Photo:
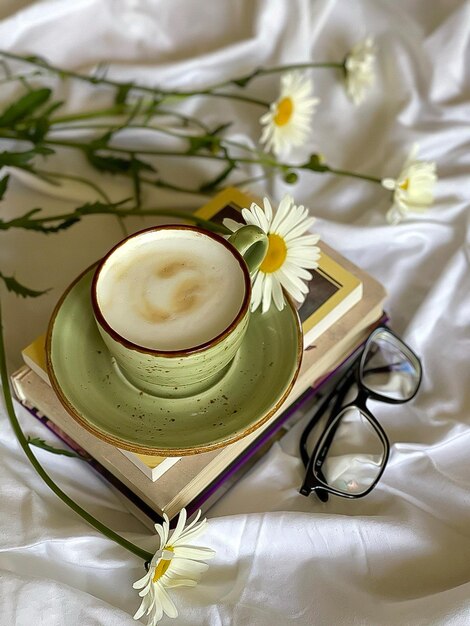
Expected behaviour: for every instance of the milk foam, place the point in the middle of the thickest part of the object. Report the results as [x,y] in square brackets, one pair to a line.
[171,290]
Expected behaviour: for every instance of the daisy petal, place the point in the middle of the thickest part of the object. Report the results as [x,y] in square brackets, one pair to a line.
[194,552]
[186,568]
[179,527]
[181,582]
[257,291]
[278,296]
[191,535]
[156,615]
[300,228]
[281,213]
[195,523]
[262,220]
[267,291]
[141,610]
[250,217]
[290,287]
[142,581]
[268,210]
[167,603]
[231,224]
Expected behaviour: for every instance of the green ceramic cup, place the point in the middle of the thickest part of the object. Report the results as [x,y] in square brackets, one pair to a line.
[192,369]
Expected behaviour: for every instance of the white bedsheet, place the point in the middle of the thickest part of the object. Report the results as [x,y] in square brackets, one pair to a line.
[400,555]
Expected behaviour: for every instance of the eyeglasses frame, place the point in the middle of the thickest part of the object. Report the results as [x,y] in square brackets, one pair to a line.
[312,480]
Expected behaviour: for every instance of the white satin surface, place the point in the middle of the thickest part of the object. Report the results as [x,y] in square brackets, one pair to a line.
[402,554]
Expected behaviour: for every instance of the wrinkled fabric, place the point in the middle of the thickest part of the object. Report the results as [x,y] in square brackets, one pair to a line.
[399,556]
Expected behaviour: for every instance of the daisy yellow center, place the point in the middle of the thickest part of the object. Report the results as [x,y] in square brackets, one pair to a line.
[276,255]
[284,111]
[405,184]
[162,566]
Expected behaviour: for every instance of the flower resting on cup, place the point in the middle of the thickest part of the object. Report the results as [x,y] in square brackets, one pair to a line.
[172,305]
[291,252]
[177,563]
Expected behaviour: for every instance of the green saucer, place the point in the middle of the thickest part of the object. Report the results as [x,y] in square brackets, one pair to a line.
[92,389]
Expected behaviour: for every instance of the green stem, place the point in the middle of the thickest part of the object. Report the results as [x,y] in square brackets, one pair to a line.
[143,554]
[114,128]
[248,181]
[242,81]
[122,109]
[78,179]
[297,66]
[113,210]
[186,119]
[119,109]
[372,179]
[95,80]
[167,153]
[165,131]
[161,184]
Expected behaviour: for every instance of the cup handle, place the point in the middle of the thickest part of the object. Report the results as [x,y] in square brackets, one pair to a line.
[252,243]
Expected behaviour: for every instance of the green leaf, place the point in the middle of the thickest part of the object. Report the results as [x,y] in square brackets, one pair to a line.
[43,150]
[38,129]
[52,107]
[121,93]
[218,130]
[21,159]
[244,80]
[101,142]
[17,159]
[40,443]
[27,223]
[117,165]
[111,164]
[63,225]
[25,106]
[3,186]
[206,142]
[25,292]
[35,58]
[93,208]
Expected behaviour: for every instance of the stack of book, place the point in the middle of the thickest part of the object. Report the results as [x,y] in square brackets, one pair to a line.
[343,305]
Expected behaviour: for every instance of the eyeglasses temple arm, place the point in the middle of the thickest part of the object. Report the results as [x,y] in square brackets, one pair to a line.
[344,382]
[311,424]
[340,392]
[322,494]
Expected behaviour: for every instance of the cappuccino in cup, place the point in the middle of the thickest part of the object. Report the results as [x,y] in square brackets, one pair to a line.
[171,290]
[172,305]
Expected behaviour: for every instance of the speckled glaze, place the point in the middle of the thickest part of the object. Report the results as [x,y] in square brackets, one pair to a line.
[182,373]
[177,376]
[94,392]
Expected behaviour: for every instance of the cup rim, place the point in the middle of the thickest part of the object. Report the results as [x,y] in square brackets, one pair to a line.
[186,351]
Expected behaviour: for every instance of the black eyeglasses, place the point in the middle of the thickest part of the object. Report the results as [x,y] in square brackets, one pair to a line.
[353,450]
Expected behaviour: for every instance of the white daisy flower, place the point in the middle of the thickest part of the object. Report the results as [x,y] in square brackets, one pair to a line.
[413,190]
[175,564]
[359,69]
[290,253]
[287,123]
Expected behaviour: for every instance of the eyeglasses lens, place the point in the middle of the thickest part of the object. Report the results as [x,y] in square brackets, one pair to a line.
[389,368]
[355,457]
